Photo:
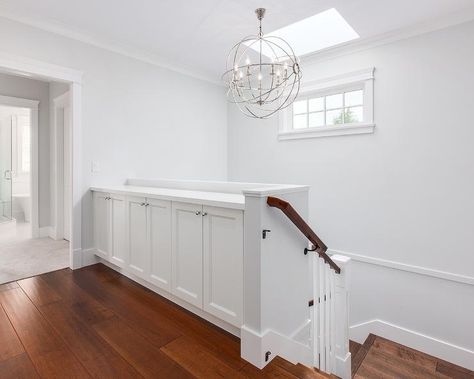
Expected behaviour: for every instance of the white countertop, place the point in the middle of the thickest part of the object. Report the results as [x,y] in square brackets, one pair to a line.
[217,199]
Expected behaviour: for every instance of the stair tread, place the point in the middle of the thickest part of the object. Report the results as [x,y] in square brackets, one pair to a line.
[301,371]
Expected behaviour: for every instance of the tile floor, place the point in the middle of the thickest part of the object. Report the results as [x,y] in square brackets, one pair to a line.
[22,257]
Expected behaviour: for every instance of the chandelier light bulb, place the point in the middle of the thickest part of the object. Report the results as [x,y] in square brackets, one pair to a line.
[271,83]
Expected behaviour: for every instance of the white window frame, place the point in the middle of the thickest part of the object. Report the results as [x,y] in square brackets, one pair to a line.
[363,79]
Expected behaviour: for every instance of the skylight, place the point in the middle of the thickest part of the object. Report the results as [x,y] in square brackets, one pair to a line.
[315,33]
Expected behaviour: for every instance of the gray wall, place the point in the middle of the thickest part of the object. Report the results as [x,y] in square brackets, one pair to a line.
[35,90]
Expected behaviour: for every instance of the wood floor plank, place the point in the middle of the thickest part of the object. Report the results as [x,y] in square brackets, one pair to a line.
[8,286]
[85,306]
[152,306]
[97,356]
[197,360]
[10,344]
[148,360]
[271,371]
[298,370]
[220,343]
[38,291]
[18,367]
[47,351]
[354,347]
[151,324]
[398,366]
[411,356]
[453,371]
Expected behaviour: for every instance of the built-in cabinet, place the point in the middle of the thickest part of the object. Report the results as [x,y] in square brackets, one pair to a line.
[193,251]
[109,227]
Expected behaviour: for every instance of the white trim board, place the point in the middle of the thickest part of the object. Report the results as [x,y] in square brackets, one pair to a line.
[429,345]
[28,67]
[458,278]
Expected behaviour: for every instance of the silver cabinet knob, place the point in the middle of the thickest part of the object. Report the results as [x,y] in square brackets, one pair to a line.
[198,213]
[147,204]
[142,204]
[204,214]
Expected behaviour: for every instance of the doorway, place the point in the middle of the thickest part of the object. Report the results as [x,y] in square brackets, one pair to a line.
[27,67]
[18,165]
[26,245]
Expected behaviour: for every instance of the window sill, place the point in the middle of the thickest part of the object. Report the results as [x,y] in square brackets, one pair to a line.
[327,131]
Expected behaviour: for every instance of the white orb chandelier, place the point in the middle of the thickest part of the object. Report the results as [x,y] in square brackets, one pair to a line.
[263,74]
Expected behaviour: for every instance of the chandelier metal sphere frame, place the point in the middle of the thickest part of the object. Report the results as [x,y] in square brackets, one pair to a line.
[270,83]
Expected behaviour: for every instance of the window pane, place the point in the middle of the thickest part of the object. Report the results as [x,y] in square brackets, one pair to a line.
[334,101]
[353,115]
[353,98]
[316,104]
[299,121]
[316,119]
[300,107]
[334,117]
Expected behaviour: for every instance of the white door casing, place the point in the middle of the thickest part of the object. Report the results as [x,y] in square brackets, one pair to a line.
[67,192]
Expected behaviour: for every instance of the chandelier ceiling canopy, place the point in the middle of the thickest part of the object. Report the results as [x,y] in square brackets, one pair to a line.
[263,74]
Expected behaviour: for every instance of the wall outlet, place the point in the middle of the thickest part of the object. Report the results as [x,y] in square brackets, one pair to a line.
[95,167]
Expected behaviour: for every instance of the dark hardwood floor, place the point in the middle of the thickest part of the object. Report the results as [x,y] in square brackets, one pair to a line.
[379,358]
[97,323]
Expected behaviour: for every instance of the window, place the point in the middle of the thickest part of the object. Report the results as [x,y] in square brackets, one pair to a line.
[336,109]
[327,29]
[335,106]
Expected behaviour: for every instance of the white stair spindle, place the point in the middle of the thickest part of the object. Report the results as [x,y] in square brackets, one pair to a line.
[322,316]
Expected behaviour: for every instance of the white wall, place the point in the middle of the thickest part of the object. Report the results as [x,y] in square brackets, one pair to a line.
[138,119]
[404,193]
[27,88]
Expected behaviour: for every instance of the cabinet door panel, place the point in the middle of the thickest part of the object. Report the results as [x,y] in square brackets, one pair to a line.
[159,232]
[223,263]
[138,254]
[101,223]
[187,252]
[117,230]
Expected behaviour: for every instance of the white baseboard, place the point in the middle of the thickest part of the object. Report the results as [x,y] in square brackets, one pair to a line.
[46,231]
[89,258]
[254,347]
[429,345]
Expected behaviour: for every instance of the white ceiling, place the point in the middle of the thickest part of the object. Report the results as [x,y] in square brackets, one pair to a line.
[196,35]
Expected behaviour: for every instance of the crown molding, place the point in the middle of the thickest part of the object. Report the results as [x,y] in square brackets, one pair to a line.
[150,57]
[139,54]
[392,36]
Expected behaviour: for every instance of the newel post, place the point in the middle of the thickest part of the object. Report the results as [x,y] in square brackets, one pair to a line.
[343,355]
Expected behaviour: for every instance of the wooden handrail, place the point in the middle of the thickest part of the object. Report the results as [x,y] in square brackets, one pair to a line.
[304,228]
